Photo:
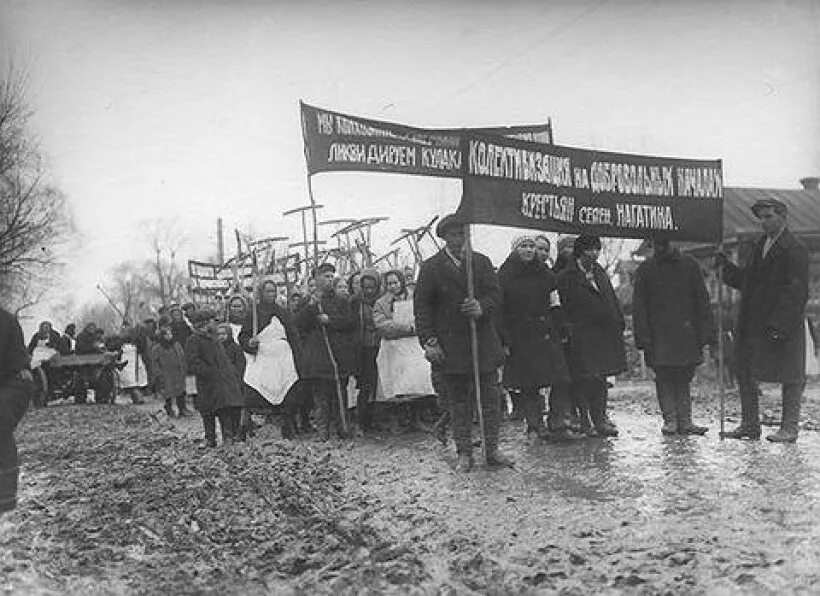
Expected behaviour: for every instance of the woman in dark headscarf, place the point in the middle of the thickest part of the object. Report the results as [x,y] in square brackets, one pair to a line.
[597,344]
[531,322]
[271,375]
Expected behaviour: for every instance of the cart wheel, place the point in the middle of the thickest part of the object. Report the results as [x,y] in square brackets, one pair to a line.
[40,395]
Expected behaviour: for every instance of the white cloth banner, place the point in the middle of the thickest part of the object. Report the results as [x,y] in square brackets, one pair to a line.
[134,374]
[271,370]
[41,354]
[403,370]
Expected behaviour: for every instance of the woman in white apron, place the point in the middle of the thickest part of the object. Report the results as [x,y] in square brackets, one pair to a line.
[134,375]
[402,367]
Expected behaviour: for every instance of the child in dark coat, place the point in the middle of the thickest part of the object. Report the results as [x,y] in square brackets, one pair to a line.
[171,369]
[220,394]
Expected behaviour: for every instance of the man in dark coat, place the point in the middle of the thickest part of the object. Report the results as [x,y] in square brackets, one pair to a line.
[597,322]
[770,327]
[443,311]
[16,388]
[325,324]
[531,333]
[673,322]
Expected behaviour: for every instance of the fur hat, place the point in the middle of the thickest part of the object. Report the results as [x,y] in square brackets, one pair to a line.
[200,316]
[585,242]
[323,268]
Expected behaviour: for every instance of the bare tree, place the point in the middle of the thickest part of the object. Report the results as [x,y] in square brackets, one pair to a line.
[168,281]
[129,289]
[33,213]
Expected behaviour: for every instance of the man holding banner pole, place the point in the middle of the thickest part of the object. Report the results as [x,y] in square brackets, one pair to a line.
[456,329]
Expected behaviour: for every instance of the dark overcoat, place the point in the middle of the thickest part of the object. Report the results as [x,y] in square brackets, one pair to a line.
[14,399]
[529,327]
[216,381]
[440,291]
[773,295]
[672,317]
[597,322]
[171,367]
[315,360]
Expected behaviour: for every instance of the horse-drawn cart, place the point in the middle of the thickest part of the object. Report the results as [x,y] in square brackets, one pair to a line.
[59,376]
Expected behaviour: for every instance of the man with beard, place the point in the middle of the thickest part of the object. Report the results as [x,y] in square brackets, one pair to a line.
[770,334]
[443,312]
[673,322]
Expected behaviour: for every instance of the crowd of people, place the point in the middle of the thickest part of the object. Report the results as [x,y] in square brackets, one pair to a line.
[535,331]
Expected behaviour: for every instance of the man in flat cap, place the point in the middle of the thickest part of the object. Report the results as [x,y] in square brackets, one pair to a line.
[596,347]
[443,311]
[770,341]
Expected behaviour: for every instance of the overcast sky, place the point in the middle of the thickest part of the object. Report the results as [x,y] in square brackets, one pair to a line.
[189,109]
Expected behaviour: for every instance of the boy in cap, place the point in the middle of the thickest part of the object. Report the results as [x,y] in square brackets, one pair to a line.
[220,395]
[770,334]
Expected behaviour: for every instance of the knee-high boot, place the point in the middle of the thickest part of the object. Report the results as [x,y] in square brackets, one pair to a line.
[225,416]
[183,410]
[683,394]
[666,399]
[531,403]
[749,408]
[790,415]
[209,423]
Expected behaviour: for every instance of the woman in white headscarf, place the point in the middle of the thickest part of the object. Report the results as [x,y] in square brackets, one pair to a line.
[402,367]
[531,324]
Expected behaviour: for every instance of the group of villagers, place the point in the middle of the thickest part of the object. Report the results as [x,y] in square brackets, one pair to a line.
[546,333]
[300,361]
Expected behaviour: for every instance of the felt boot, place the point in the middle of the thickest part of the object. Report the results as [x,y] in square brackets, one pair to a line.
[683,401]
[209,423]
[790,415]
[666,400]
[183,411]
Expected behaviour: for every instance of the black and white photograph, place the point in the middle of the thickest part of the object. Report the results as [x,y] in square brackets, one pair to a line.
[394,297]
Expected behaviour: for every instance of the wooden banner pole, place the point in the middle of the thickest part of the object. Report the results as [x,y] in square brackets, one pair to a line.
[468,263]
[721,388]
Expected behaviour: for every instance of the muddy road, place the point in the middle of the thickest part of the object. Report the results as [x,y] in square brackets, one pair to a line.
[121,499]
